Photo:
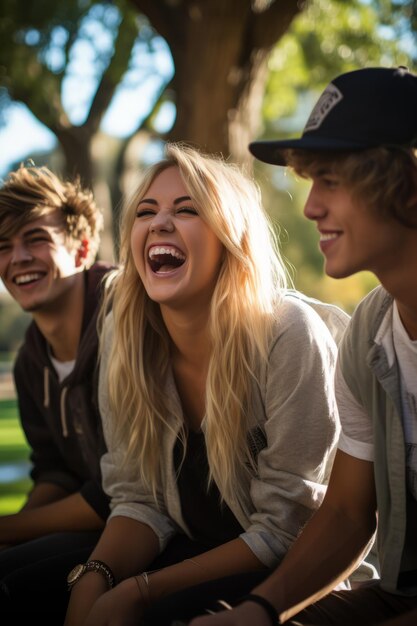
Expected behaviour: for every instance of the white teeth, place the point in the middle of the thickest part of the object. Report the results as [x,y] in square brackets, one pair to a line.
[327,236]
[26,278]
[166,250]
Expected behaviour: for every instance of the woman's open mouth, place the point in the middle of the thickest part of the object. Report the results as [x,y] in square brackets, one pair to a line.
[164,259]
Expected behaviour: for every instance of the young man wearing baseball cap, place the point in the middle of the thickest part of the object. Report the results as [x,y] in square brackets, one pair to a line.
[358,149]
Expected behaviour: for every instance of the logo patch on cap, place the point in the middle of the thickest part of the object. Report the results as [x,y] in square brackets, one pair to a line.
[327,101]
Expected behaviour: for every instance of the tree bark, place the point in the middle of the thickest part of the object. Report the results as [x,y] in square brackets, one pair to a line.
[220,51]
[75,142]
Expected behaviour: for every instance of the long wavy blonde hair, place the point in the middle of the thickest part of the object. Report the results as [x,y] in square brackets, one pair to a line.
[243,308]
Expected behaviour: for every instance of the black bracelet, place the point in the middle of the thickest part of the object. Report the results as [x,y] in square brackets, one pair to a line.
[269,608]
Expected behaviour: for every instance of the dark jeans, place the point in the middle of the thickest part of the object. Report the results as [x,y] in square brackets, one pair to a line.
[33,576]
[364,606]
[33,580]
[186,604]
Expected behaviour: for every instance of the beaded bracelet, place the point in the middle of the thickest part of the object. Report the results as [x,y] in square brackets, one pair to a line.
[269,608]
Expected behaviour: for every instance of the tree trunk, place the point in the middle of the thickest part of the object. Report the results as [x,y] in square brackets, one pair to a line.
[220,50]
[76,146]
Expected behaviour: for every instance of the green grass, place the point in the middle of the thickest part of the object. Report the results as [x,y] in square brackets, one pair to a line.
[8,410]
[13,449]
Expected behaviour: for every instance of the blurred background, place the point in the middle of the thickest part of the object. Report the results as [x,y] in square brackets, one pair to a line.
[95,88]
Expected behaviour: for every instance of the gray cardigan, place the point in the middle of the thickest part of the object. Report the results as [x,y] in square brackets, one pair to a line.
[295,407]
[376,386]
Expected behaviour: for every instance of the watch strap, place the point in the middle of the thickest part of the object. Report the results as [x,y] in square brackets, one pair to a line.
[94,565]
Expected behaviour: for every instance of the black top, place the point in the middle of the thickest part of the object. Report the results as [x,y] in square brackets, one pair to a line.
[209,519]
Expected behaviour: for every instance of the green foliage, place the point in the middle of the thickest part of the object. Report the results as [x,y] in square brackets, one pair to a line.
[401,17]
[330,37]
[13,447]
[13,502]
[35,46]
[8,409]
[40,48]
[14,450]
[13,324]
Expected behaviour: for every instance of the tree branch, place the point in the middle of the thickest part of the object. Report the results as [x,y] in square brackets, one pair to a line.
[125,40]
[270,24]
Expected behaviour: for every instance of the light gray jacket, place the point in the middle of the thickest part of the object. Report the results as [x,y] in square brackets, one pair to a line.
[293,406]
[374,380]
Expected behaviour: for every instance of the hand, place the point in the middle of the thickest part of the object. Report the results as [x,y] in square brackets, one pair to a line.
[246,614]
[121,606]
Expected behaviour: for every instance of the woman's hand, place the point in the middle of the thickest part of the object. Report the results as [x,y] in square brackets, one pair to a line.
[121,606]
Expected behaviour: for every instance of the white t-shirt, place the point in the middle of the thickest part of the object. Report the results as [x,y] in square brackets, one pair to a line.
[356,437]
[62,368]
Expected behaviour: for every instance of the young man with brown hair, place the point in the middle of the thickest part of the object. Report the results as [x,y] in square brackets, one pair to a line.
[49,237]
[358,149]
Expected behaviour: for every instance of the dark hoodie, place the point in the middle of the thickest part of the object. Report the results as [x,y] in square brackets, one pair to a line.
[61,419]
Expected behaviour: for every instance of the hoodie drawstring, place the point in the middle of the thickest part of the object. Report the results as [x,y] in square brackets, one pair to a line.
[64,424]
[45,387]
[63,412]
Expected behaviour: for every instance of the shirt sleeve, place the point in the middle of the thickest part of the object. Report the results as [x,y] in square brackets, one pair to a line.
[356,437]
[301,427]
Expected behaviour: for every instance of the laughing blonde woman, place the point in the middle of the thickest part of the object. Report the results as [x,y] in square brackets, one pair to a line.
[216,394]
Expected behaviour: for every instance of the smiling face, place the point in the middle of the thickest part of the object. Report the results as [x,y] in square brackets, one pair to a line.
[175,252]
[353,238]
[36,266]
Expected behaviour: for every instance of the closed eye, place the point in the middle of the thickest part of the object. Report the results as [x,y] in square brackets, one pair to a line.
[187,210]
[145,212]
[35,240]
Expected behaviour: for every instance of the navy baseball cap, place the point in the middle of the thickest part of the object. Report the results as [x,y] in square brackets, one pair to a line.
[366,108]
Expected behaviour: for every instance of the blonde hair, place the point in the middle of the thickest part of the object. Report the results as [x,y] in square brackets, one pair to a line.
[243,308]
[32,192]
[383,178]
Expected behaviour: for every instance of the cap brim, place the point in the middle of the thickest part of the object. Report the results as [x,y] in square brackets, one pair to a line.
[274,151]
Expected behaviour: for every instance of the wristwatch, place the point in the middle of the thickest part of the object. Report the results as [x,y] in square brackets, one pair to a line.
[91,566]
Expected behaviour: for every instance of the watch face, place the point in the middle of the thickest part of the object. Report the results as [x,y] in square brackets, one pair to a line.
[75,573]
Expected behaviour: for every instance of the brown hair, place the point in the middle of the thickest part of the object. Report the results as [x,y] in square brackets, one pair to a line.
[31,192]
[384,178]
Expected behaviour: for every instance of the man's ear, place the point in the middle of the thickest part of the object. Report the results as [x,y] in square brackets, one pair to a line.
[82,253]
